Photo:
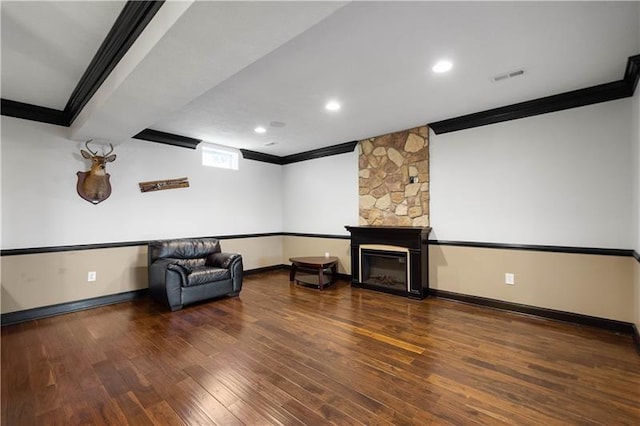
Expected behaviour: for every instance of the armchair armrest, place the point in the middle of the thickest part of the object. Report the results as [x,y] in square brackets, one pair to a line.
[232,262]
[182,270]
[222,260]
[165,281]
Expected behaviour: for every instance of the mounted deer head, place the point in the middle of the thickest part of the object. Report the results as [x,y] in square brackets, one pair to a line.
[93,185]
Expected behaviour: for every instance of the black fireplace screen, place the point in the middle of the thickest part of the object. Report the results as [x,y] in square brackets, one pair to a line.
[384,268]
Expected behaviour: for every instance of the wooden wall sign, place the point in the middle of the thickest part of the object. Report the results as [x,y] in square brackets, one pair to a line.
[159,185]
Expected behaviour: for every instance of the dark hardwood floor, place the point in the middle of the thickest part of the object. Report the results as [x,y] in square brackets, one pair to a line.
[285,354]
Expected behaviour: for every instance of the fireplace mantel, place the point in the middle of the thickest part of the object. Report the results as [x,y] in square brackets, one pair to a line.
[413,238]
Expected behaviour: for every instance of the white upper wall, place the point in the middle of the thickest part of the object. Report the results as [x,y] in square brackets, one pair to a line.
[321,195]
[563,178]
[568,178]
[40,205]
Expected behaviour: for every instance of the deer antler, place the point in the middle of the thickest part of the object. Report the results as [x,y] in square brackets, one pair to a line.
[110,151]
[87,145]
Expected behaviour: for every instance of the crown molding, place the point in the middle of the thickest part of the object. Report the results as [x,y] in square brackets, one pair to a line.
[303,156]
[576,98]
[321,152]
[167,138]
[31,112]
[259,156]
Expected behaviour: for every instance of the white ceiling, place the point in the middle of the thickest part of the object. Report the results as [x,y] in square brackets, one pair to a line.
[216,70]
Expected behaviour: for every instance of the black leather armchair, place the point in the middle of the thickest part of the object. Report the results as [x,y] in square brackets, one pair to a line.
[190,270]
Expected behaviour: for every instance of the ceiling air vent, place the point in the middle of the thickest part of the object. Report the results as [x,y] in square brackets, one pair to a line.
[508,75]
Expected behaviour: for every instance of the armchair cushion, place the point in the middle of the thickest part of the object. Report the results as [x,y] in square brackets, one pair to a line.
[187,263]
[206,274]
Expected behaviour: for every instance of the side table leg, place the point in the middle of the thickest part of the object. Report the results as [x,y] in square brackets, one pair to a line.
[320,278]
[334,273]
[292,273]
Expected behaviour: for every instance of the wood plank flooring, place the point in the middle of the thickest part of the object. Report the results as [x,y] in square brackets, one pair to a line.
[286,354]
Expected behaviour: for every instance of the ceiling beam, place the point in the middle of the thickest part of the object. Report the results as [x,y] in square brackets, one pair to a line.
[132,20]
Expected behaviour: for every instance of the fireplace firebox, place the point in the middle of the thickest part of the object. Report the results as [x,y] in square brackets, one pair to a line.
[391,259]
[384,267]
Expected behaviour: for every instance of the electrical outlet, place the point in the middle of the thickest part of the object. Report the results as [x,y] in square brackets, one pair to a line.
[509,278]
[91,276]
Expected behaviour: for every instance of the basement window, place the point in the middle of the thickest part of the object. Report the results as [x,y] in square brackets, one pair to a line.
[221,158]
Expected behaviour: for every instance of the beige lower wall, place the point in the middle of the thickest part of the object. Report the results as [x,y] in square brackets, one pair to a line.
[294,246]
[43,279]
[600,286]
[37,280]
[256,252]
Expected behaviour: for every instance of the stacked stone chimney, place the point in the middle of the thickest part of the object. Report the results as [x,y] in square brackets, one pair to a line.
[394,179]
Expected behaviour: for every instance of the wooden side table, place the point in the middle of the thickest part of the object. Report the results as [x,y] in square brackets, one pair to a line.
[314,263]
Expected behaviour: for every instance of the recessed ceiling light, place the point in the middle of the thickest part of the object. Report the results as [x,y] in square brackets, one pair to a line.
[259,129]
[277,124]
[332,106]
[442,66]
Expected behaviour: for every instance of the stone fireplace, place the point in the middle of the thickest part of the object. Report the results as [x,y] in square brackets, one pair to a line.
[394,179]
[391,259]
[390,248]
